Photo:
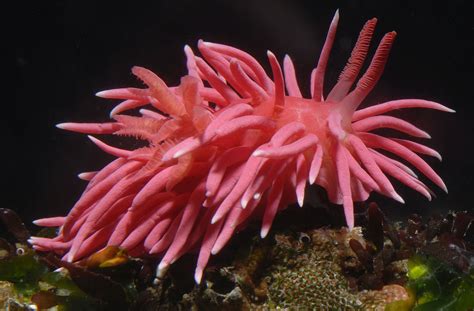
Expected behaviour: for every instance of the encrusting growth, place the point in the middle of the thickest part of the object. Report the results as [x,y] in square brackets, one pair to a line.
[229,144]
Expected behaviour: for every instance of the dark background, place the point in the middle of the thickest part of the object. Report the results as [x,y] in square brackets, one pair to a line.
[66,51]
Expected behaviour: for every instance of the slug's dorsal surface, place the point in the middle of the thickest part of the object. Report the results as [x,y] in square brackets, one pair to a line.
[230,144]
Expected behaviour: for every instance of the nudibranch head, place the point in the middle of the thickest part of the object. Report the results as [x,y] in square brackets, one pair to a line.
[229,144]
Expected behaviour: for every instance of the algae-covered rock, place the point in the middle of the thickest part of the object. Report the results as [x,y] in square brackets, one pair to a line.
[310,273]
[421,265]
[288,270]
[8,297]
[327,268]
[318,284]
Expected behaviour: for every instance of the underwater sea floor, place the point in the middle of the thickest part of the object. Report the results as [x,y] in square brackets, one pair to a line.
[423,263]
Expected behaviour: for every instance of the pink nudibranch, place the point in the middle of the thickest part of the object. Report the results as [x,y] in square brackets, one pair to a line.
[229,143]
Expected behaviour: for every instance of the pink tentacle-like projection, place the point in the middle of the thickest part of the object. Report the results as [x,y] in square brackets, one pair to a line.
[229,144]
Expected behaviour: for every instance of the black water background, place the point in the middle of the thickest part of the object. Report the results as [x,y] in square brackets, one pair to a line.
[65,51]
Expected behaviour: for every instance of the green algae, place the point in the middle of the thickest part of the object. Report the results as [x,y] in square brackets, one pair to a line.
[439,286]
[24,271]
[71,288]
[33,282]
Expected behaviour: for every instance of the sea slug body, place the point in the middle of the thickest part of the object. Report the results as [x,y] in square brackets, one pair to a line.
[228,145]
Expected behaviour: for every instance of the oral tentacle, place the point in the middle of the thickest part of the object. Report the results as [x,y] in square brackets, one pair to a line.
[290,77]
[320,71]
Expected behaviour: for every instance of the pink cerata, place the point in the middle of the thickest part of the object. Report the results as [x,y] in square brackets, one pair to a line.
[228,145]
